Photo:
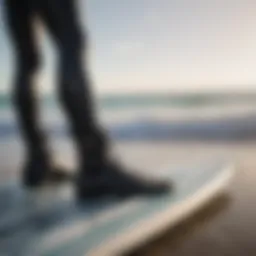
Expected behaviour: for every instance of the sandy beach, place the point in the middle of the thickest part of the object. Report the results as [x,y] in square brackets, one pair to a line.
[225,227]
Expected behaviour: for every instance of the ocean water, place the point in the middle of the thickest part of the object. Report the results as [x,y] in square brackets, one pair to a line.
[152,116]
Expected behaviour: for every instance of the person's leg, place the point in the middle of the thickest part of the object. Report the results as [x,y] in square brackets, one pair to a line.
[98,174]
[75,92]
[20,23]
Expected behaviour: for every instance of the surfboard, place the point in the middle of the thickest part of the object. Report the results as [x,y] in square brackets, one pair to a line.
[50,222]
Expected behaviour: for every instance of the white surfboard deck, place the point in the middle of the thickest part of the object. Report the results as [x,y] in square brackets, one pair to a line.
[56,226]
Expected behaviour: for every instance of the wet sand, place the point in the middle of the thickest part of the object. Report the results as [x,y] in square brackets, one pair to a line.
[225,227]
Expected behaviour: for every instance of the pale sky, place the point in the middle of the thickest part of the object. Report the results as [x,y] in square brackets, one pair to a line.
[170,45]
